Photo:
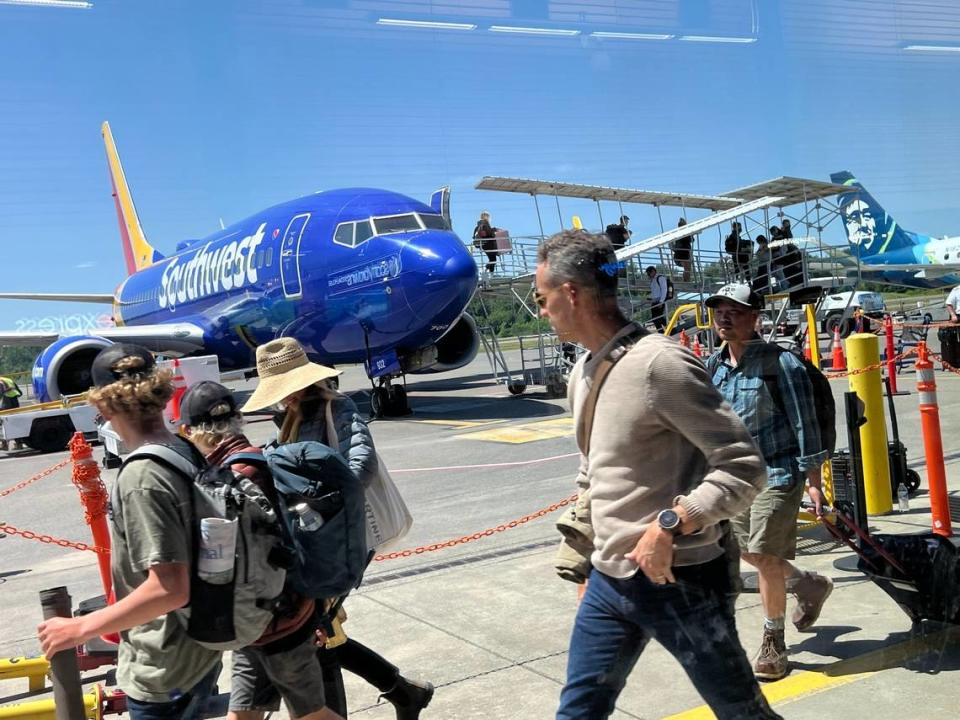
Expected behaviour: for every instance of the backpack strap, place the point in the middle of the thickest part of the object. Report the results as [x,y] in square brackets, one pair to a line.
[168,456]
[248,458]
[585,429]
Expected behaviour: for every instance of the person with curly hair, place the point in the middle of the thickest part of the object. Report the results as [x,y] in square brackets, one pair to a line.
[163,672]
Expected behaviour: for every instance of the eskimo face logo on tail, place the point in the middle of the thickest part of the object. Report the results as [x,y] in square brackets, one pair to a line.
[861,224]
[229,267]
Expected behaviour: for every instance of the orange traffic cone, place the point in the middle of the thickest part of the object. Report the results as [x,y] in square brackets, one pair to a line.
[684,340]
[697,350]
[807,354]
[836,350]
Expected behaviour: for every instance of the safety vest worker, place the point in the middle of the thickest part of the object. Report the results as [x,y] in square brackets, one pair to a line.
[9,393]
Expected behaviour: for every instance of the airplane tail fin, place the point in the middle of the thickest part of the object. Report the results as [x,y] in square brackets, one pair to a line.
[137,252]
[870,229]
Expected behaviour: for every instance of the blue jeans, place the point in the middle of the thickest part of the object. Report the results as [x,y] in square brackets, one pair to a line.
[692,619]
[188,706]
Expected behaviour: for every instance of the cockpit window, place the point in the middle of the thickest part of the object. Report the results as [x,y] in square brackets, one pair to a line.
[434,222]
[344,234]
[363,233]
[396,224]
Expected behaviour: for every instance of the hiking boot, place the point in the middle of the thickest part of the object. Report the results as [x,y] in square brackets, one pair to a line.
[409,697]
[812,591]
[771,660]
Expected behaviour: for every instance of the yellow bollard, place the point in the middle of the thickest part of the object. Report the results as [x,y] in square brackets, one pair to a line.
[813,335]
[863,350]
[45,710]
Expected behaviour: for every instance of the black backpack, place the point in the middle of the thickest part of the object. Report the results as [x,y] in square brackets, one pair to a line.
[617,235]
[822,394]
[670,292]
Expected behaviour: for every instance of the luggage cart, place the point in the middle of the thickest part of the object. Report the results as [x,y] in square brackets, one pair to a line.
[544,360]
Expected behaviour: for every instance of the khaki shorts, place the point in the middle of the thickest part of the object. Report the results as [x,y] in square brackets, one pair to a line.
[260,680]
[769,526]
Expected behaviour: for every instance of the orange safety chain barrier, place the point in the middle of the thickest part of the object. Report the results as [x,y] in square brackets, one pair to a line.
[42,537]
[476,536]
[51,540]
[86,478]
[946,366]
[39,476]
[870,368]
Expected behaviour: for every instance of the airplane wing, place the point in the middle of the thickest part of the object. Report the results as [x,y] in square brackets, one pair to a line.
[697,226]
[60,297]
[175,338]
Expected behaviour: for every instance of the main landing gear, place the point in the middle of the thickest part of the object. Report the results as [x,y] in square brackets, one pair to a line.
[387,400]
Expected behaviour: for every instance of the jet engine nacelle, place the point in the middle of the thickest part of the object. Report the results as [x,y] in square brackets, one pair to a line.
[456,348]
[64,367]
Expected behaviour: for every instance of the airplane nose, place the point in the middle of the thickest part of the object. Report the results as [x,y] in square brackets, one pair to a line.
[444,271]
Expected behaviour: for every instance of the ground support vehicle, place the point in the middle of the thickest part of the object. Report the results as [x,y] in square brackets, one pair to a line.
[47,427]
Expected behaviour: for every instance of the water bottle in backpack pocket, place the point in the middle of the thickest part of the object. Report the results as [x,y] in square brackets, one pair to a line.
[322,507]
[240,553]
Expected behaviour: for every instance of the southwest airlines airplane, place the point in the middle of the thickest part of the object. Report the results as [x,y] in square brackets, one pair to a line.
[356,275]
[887,252]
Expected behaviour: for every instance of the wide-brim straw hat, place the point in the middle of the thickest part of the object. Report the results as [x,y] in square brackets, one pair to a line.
[284,369]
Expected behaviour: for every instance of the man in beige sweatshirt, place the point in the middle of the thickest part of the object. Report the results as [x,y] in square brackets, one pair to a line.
[666,461]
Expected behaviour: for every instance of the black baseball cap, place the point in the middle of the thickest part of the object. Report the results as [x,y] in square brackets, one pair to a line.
[206,402]
[102,371]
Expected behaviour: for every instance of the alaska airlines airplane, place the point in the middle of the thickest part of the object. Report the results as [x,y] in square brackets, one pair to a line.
[887,252]
[356,275]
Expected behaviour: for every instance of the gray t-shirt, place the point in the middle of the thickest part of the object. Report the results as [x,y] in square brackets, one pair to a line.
[150,525]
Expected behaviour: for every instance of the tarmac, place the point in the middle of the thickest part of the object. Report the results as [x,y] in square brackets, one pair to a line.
[487,620]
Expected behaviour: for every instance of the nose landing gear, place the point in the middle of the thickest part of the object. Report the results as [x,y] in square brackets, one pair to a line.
[388,400]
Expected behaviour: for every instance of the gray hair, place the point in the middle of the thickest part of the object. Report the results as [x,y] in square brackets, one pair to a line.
[583,258]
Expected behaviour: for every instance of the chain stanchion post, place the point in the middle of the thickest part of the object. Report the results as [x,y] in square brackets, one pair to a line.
[863,359]
[812,336]
[891,355]
[932,442]
[64,669]
[93,497]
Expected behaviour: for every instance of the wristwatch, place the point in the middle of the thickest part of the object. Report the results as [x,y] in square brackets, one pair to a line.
[669,520]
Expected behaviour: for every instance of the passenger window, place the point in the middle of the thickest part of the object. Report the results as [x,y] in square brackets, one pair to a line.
[269,256]
[363,233]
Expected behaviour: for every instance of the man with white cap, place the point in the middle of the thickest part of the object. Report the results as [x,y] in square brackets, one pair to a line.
[770,390]
[313,410]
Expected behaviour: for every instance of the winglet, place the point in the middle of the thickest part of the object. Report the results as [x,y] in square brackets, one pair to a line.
[137,252]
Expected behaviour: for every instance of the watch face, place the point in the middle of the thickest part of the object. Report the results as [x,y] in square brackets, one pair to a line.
[668,519]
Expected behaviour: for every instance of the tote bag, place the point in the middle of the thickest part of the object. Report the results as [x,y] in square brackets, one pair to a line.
[388,517]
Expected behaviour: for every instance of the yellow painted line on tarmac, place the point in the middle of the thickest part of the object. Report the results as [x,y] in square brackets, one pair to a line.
[843,672]
[458,423]
[525,432]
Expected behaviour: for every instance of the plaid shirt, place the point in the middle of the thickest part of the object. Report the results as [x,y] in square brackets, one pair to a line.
[788,437]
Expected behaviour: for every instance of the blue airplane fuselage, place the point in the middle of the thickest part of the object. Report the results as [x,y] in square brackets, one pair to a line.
[351,273]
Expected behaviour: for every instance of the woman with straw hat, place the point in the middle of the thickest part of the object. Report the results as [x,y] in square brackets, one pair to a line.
[313,410]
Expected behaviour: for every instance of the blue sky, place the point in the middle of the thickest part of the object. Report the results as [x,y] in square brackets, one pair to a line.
[221,109]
